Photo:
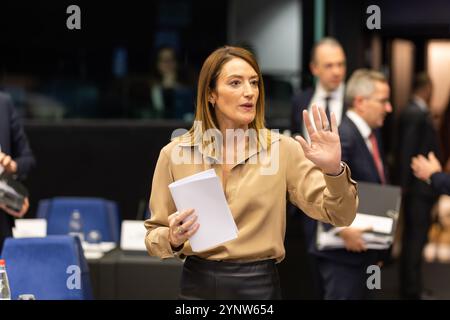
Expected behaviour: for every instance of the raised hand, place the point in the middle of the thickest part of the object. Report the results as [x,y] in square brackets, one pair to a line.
[325,148]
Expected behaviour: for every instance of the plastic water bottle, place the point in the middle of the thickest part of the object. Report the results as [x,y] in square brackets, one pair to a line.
[76,225]
[5,292]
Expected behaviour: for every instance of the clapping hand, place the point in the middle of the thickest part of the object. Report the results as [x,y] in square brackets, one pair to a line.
[423,167]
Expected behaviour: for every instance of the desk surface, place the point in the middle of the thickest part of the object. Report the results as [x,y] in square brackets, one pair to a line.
[134,275]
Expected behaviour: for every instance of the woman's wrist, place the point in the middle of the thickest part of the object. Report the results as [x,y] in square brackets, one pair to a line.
[176,249]
[174,246]
[337,171]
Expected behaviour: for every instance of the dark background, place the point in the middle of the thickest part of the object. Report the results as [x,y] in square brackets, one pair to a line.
[113,156]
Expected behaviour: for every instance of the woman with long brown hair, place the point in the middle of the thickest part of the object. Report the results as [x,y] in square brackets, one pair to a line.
[230,111]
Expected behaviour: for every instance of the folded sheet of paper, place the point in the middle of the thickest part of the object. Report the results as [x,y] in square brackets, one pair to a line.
[203,192]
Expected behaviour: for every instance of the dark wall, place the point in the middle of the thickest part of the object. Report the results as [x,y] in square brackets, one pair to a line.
[40,44]
[113,160]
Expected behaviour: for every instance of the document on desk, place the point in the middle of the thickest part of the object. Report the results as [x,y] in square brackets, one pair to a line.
[203,192]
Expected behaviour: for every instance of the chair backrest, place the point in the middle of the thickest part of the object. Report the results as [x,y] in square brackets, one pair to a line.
[51,268]
[96,214]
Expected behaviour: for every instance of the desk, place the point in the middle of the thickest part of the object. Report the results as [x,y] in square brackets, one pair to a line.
[134,275]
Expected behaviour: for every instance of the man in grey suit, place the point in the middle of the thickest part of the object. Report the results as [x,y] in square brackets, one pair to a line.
[16,159]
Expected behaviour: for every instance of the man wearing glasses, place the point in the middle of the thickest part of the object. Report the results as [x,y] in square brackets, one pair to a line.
[343,271]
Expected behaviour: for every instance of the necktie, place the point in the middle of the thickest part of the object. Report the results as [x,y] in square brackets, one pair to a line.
[327,106]
[377,158]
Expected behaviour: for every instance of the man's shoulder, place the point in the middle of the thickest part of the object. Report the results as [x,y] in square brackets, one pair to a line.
[303,95]
[5,105]
[346,125]
[411,110]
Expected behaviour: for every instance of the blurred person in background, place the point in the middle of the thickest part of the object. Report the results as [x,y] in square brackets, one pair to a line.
[416,135]
[328,66]
[168,93]
[430,169]
[16,159]
[343,271]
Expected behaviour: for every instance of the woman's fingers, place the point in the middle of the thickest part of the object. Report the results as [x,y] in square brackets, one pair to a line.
[191,231]
[182,226]
[307,122]
[324,119]
[177,218]
[316,118]
[334,125]
[187,225]
[303,143]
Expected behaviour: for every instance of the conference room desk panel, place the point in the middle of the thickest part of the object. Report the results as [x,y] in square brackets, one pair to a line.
[134,275]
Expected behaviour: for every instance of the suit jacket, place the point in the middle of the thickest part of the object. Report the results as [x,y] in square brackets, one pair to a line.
[416,135]
[13,142]
[300,102]
[440,182]
[359,158]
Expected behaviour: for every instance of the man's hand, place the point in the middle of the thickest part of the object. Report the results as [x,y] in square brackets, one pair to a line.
[16,214]
[423,168]
[325,148]
[8,163]
[353,239]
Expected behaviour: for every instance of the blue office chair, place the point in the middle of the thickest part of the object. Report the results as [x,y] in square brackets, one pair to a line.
[51,268]
[96,214]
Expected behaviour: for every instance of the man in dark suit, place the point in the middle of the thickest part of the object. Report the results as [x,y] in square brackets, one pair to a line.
[416,135]
[343,271]
[329,67]
[16,159]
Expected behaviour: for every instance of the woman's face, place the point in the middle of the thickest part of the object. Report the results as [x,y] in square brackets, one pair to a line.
[235,95]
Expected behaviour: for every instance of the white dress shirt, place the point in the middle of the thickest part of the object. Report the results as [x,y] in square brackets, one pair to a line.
[362,126]
[336,103]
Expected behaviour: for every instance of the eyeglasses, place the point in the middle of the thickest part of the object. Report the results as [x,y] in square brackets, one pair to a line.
[382,101]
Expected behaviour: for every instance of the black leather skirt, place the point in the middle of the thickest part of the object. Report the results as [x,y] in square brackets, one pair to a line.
[206,279]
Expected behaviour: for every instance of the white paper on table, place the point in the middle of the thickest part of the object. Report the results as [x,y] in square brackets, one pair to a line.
[132,235]
[376,223]
[30,228]
[203,192]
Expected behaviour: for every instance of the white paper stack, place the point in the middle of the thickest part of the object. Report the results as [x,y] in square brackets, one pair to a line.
[203,192]
[379,237]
